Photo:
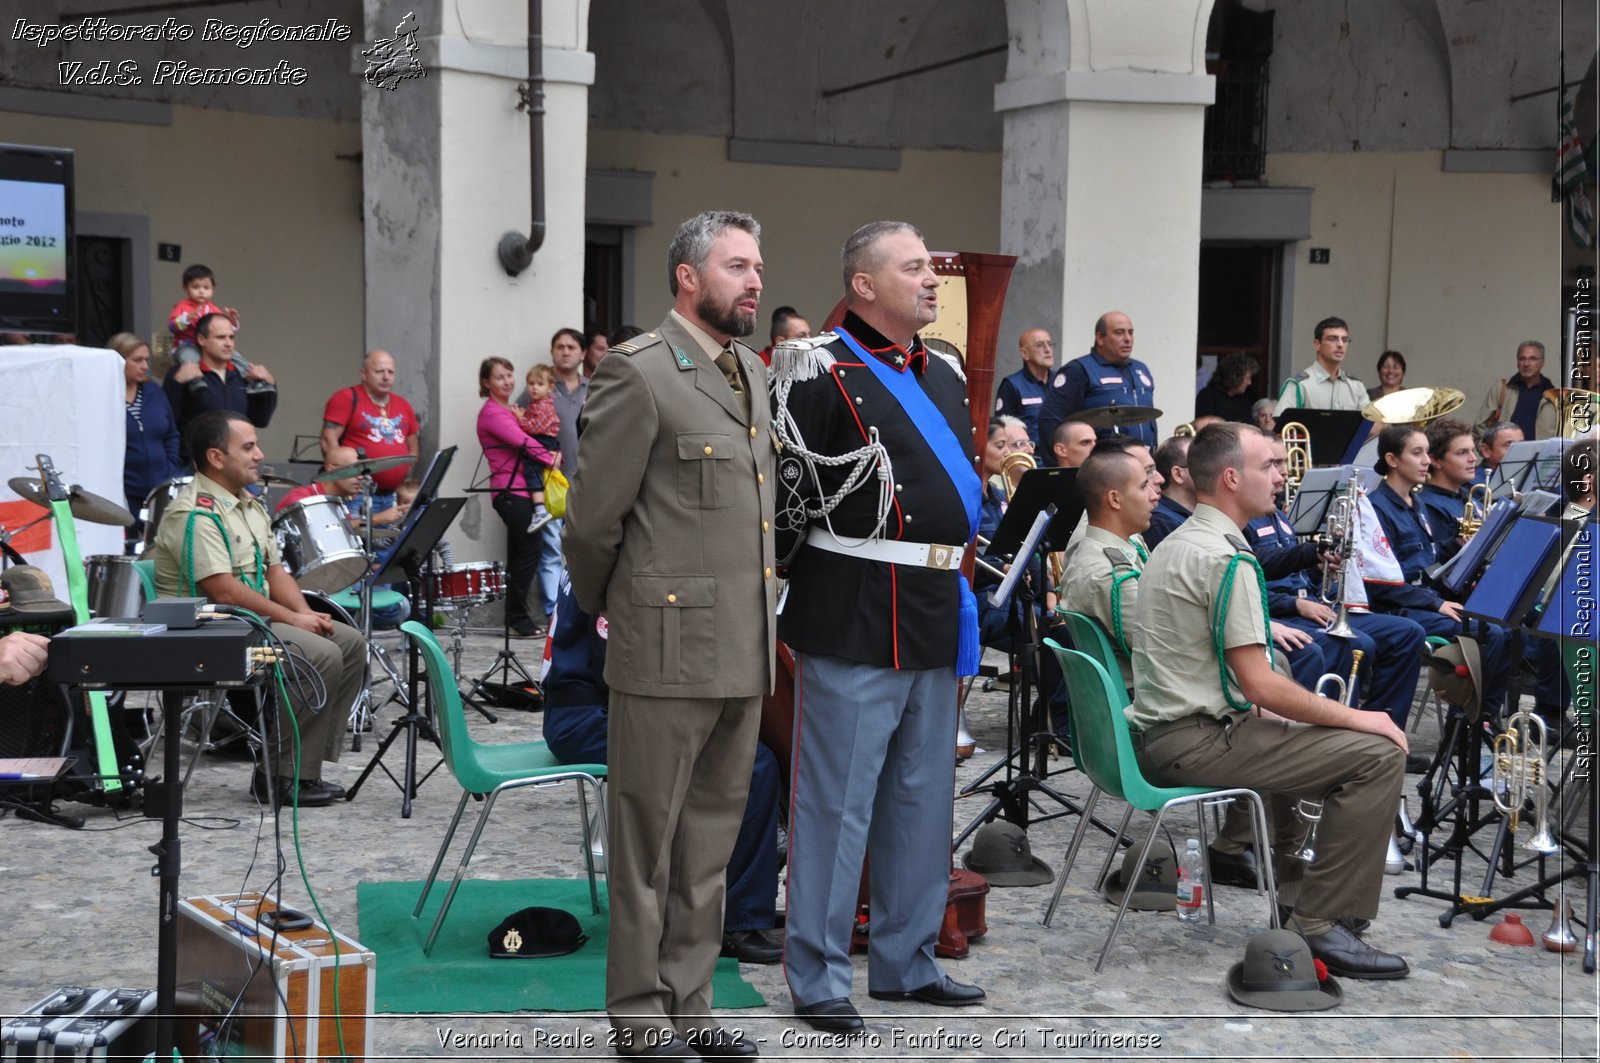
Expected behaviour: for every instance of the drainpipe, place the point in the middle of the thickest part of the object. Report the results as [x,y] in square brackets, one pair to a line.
[516,250]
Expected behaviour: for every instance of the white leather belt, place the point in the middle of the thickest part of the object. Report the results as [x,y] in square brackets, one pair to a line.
[917,555]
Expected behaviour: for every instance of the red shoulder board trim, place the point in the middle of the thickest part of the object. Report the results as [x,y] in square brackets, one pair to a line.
[206,501]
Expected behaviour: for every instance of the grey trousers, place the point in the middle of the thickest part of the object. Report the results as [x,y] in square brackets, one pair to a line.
[341,662]
[679,776]
[873,771]
[1357,776]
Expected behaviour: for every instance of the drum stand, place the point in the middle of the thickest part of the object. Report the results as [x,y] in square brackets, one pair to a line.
[362,712]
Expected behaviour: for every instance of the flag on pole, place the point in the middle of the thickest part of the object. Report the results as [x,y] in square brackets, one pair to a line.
[1571,168]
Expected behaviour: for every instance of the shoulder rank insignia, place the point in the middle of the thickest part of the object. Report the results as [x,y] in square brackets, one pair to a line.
[1117,556]
[205,501]
[1304,374]
[1239,545]
[637,344]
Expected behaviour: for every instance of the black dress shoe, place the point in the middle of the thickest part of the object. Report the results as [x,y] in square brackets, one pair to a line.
[717,1043]
[1358,927]
[1417,764]
[1347,956]
[945,993]
[751,946]
[334,790]
[1233,869]
[674,1047]
[282,792]
[837,1015]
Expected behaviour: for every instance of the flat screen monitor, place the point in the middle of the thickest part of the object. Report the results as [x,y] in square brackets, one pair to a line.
[37,264]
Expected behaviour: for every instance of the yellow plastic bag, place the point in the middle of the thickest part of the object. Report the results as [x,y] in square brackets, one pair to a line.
[555,493]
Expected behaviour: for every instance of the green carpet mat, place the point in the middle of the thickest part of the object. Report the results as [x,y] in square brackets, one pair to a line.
[460,976]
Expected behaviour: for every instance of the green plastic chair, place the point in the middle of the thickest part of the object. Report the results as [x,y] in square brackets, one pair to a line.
[487,771]
[1089,637]
[1103,747]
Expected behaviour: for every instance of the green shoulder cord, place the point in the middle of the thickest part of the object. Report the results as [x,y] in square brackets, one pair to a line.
[258,583]
[1116,598]
[1116,608]
[1219,621]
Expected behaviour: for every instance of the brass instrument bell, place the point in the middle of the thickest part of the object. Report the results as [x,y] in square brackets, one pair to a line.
[1297,460]
[1414,406]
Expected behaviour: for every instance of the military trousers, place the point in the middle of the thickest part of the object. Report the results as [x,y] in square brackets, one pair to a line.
[679,773]
[339,662]
[1357,776]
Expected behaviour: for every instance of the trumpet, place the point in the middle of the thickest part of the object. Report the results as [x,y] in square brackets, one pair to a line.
[1297,460]
[1474,510]
[1311,811]
[1340,539]
[1518,773]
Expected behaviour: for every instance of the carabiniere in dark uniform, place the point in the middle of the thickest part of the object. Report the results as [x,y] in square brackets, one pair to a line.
[894,616]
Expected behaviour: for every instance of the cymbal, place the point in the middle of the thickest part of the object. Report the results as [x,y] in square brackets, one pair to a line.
[272,479]
[361,468]
[85,505]
[1115,416]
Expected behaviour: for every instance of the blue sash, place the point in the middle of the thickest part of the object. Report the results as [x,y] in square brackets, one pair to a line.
[957,465]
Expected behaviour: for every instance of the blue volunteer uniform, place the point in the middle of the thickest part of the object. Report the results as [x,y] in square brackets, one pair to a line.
[575,724]
[1091,382]
[1392,644]
[1444,509]
[1411,539]
[1164,520]
[1022,396]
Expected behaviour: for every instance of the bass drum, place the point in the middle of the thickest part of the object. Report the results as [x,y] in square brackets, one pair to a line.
[156,502]
[318,546]
[115,589]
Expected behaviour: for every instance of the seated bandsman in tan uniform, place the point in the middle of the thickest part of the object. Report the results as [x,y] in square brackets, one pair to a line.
[1209,710]
[216,542]
[1103,582]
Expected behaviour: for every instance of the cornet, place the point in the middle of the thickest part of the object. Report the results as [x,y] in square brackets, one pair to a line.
[1474,510]
[1311,811]
[1519,771]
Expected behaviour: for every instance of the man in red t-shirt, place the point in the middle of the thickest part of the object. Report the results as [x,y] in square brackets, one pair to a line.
[371,417]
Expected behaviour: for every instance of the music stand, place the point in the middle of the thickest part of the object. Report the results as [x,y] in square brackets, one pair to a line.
[1040,518]
[506,660]
[1336,435]
[1529,463]
[1458,573]
[411,558]
[1318,488]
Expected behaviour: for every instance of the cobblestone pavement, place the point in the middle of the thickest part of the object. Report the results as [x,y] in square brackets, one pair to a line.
[79,907]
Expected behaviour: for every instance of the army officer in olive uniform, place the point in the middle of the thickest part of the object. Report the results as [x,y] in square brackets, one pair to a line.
[669,534]
[1198,720]
[215,541]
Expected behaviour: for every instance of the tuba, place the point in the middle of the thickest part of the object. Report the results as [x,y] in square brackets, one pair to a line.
[1297,460]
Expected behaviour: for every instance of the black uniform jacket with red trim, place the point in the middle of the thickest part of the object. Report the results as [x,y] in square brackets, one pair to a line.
[894,616]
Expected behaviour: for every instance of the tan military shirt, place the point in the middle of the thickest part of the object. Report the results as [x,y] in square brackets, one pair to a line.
[1315,389]
[1102,557]
[1175,663]
[243,545]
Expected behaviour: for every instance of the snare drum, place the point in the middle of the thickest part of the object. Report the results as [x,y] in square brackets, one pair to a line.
[318,546]
[115,589]
[474,583]
[155,504]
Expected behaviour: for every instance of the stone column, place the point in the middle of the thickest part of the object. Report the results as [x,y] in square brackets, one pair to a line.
[1104,109]
[446,172]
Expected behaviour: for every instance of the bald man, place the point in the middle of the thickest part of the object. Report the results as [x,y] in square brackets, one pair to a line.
[371,418]
[1109,375]
[1022,393]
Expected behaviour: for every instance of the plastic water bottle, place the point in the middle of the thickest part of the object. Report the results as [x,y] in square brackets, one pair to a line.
[1191,883]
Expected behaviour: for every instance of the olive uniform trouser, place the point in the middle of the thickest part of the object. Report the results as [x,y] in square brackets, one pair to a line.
[1357,776]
